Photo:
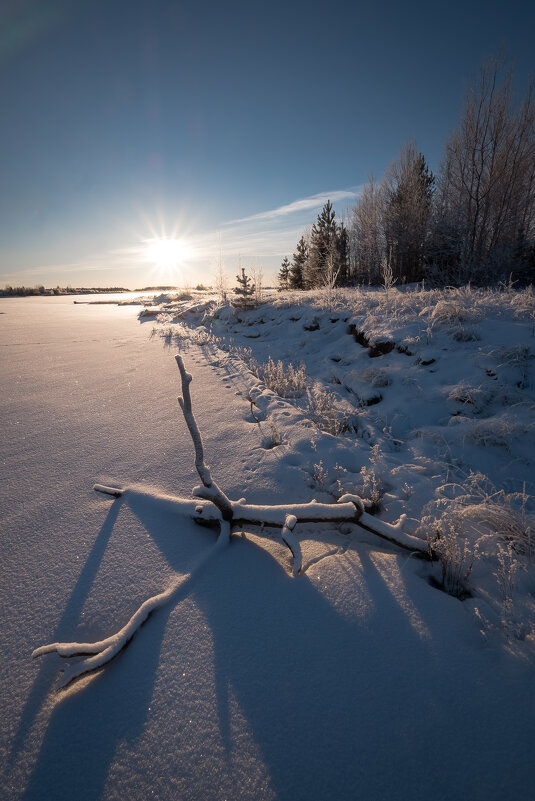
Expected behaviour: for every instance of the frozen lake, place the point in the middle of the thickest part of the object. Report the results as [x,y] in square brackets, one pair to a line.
[356,680]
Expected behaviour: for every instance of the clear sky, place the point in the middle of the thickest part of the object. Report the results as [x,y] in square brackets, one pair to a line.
[229,122]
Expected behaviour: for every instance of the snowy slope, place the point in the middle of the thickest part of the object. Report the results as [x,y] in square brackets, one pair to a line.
[356,679]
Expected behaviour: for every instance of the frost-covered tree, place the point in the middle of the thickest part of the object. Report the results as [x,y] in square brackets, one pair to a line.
[407,197]
[245,289]
[284,275]
[329,250]
[367,236]
[487,179]
[323,242]
[298,266]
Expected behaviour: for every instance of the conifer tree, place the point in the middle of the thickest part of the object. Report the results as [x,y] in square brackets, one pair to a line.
[245,290]
[323,244]
[299,265]
[409,191]
[284,275]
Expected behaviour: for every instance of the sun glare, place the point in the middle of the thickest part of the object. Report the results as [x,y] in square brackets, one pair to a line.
[166,253]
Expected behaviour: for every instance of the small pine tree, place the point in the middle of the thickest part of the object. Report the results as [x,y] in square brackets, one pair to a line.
[245,290]
[323,245]
[298,266]
[284,275]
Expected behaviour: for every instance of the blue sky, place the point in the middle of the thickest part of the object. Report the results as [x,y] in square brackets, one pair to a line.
[221,124]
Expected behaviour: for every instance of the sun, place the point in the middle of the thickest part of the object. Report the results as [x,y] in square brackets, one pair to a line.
[167,253]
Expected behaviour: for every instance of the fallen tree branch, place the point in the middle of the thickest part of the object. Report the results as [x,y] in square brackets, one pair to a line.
[348,509]
[210,490]
[220,510]
[99,653]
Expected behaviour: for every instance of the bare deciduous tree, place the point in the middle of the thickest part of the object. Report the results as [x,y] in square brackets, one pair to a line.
[366,235]
[487,180]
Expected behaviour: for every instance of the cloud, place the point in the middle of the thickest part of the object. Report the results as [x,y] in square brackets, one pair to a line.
[305,204]
[264,237]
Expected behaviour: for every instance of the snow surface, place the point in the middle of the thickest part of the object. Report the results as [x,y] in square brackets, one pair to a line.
[356,679]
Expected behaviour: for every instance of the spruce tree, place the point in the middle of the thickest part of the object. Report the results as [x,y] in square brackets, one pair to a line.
[322,243]
[299,264]
[409,195]
[284,274]
[245,290]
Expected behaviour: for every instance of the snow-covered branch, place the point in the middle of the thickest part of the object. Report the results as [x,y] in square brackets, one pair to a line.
[213,493]
[219,509]
[99,653]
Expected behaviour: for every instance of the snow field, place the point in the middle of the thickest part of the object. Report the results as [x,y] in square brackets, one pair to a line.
[355,679]
[431,395]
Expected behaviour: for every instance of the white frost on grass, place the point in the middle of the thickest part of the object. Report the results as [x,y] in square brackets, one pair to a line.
[423,387]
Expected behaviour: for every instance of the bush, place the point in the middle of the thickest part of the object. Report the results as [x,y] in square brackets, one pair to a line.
[286,380]
[456,554]
[323,412]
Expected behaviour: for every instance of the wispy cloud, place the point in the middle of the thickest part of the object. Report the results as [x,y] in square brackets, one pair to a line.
[264,237]
[305,204]
[269,235]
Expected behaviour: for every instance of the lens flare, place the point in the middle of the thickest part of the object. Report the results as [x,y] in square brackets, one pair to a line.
[167,253]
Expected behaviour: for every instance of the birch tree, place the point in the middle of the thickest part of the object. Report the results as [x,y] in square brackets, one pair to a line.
[487,180]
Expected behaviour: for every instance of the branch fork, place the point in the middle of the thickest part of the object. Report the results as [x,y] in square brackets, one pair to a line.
[220,510]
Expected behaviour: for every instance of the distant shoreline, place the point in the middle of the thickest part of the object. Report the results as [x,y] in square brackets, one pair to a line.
[40,291]
[25,292]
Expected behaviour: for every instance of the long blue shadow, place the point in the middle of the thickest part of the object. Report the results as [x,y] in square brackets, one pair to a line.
[68,622]
[310,683]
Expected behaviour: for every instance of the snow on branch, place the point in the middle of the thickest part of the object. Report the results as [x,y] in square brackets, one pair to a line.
[99,653]
[212,493]
[220,510]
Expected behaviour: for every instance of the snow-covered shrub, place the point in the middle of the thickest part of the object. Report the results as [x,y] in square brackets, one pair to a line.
[342,483]
[476,507]
[517,357]
[323,412]
[465,393]
[465,333]
[454,311]
[524,306]
[494,513]
[456,554]
[287,380]
[493,432]
[372,486]
[506,572]
[471,519]
[181,332]
[320,475]
[376,376]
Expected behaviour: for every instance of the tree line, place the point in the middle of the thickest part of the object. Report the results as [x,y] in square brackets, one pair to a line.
[473,221]
[24,291]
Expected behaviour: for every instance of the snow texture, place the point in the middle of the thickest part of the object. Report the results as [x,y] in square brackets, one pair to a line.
[360,679]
